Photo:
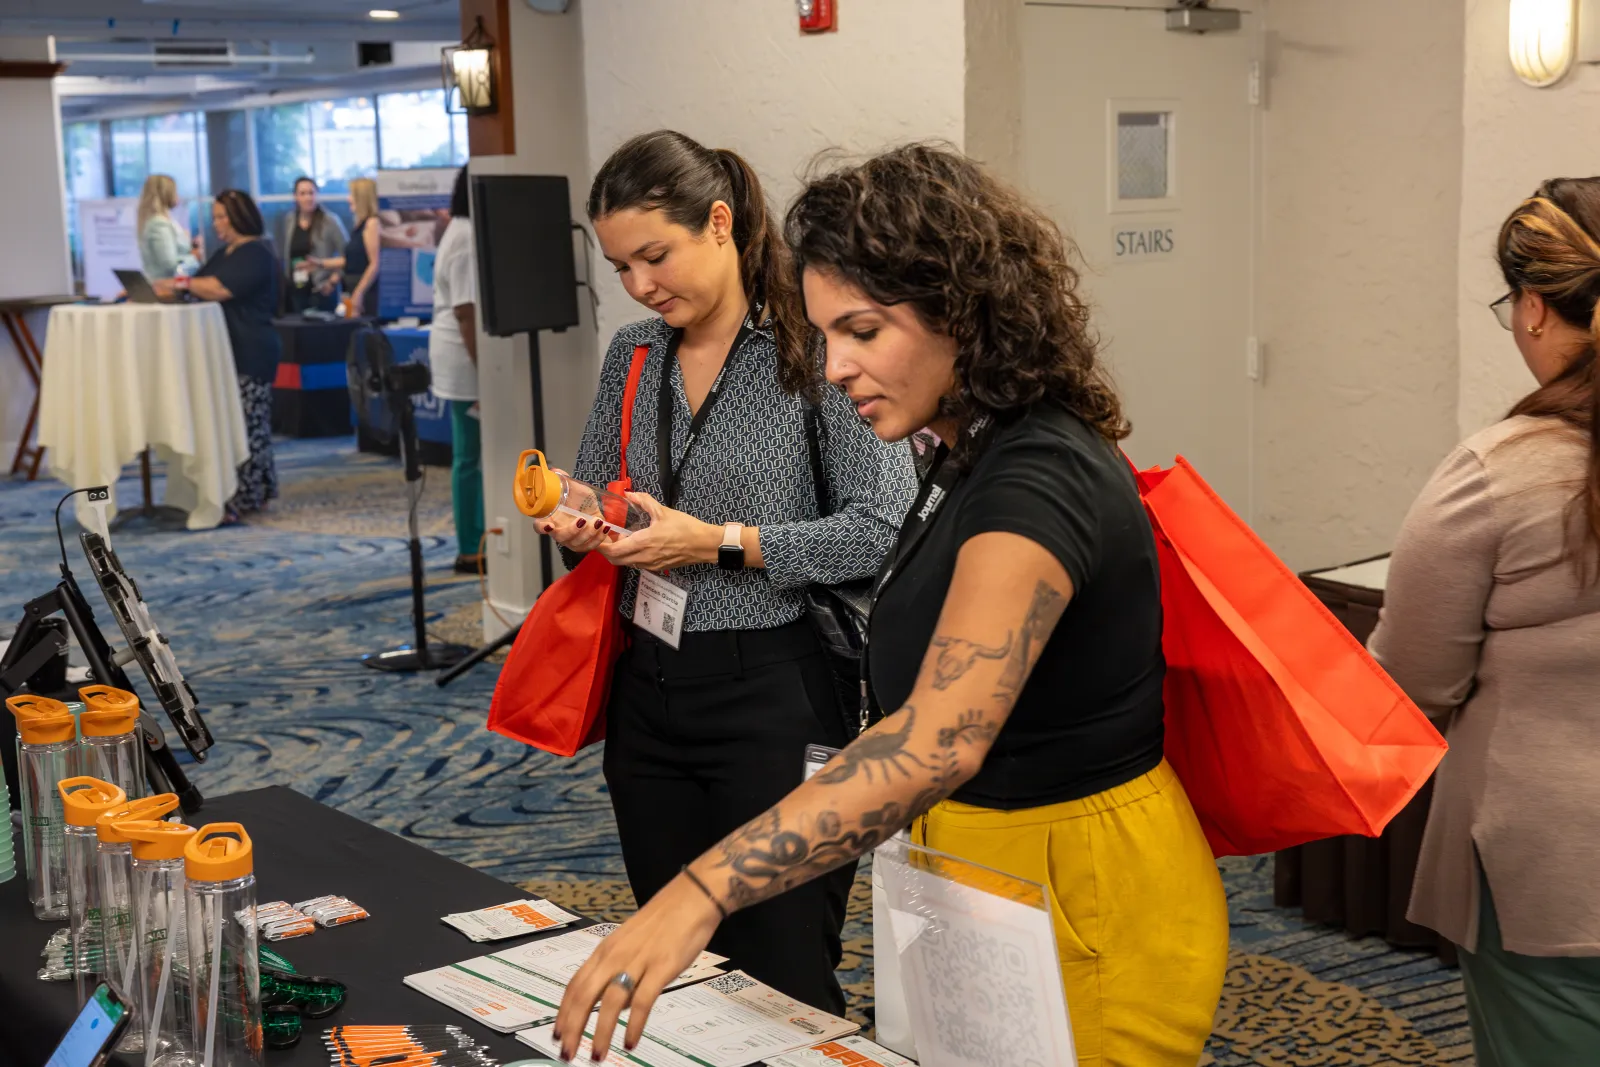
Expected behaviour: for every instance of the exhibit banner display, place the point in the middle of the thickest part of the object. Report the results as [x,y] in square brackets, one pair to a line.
[108,234]
[977,955]
[413,210]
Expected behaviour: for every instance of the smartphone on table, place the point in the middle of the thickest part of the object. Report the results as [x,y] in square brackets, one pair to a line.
[88,1042]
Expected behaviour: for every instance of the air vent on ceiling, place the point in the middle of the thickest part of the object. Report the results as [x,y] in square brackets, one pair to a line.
[192,54]
[374,54]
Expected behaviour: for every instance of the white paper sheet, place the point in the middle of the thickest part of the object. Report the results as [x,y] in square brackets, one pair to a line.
[511,919]
[559,958]
[730,1021]
[498,995]
[854,1051]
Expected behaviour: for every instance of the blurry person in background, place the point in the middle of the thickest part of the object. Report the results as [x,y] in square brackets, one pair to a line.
[453,353]
[164,244]
[243,277]
[1491,620]
[358,267]
[304,232]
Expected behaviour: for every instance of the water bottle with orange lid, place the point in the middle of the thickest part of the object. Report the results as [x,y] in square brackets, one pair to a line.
[224,970]
[114,857]
[83,801]
[543,493]
[111,746]
[159,924]
[46,753]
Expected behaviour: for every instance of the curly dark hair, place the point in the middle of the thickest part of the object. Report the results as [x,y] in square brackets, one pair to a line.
[925,225]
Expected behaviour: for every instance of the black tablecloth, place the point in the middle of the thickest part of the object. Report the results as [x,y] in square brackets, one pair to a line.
[303,849]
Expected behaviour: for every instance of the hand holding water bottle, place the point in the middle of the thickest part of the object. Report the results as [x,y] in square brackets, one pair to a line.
[574,514]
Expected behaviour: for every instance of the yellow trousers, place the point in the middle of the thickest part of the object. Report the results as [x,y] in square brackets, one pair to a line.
[1140,918]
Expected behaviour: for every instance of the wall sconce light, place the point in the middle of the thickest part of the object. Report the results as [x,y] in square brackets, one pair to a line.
[1544,40]
[468,72]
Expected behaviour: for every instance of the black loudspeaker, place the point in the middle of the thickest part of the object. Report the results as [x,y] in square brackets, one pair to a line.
[527,280]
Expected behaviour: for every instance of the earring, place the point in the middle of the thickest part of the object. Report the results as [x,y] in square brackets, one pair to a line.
[1536,331]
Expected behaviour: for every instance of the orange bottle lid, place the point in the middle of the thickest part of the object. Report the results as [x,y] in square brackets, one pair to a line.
[109,825]
[219,852]
[86,799]
[107,712]
[156,840]
[536,488]
[40,720]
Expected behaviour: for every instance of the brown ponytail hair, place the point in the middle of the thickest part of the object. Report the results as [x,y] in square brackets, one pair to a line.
[1548,246]
[668,171]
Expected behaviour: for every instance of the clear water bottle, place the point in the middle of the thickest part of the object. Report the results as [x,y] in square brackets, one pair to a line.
[543,493]
[224,970]
[114,856]
[112,750]
[83,801]
[46,753]
[163,1014]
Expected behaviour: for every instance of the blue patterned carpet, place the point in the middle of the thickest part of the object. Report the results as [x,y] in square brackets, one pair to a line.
[268,619]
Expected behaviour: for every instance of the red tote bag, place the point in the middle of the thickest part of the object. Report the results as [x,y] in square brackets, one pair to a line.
[1281,727]
[553,687]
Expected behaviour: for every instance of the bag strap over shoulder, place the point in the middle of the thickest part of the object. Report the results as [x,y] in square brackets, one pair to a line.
[814,450]
[629,391]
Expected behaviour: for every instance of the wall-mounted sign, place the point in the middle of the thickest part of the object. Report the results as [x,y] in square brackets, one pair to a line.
[1135,241]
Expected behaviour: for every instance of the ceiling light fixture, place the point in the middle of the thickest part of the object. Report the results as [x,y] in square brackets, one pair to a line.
[1543,40]
[382,13]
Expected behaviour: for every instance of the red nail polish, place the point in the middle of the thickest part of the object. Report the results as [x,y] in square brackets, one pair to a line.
[582,523]
[548,528]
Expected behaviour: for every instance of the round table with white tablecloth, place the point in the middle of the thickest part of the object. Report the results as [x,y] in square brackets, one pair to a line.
[121,378]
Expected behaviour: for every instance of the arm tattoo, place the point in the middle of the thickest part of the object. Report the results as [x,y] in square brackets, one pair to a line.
[781,849]
[956,655]
[1043,613]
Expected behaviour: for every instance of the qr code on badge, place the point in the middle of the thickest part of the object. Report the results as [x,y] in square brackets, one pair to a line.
[732,982]
[669,622]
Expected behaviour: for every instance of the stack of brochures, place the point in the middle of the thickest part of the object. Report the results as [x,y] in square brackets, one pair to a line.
[708,1017]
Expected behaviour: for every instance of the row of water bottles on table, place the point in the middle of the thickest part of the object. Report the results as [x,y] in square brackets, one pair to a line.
[160,911]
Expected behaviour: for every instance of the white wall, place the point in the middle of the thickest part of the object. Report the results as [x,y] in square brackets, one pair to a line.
[1361,175]
[32,216]
[739,74]
[1516,136]
[547,82]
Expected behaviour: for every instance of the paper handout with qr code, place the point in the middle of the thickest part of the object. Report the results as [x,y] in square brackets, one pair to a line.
[852,1051]
[559,958]
[730,1021]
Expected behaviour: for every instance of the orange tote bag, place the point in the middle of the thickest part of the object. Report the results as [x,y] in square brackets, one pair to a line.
[553,688]
[1279,724]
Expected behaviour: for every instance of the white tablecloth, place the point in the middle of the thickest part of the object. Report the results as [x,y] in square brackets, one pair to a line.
[118,378]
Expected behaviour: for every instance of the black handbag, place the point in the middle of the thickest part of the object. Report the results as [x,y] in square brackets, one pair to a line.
[838,613]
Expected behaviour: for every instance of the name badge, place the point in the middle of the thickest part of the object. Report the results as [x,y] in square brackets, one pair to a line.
[817,757]
[658,607]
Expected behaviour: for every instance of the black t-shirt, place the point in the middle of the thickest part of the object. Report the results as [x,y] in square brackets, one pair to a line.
[299,246]
[1090,715]
[250,273]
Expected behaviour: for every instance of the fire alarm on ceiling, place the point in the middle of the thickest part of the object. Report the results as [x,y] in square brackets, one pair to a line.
[816,16]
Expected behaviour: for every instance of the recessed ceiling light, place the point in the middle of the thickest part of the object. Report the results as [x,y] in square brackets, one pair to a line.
[382,13]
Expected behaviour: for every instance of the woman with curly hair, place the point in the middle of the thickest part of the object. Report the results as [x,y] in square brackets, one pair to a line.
[1016,634]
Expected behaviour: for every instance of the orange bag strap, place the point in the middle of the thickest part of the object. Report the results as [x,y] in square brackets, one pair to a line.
[629,391]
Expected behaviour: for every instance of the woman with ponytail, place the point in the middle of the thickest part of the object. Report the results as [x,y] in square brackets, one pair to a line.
[709,726]
[1492,625]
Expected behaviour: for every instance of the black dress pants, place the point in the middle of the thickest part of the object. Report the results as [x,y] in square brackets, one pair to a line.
[700,740]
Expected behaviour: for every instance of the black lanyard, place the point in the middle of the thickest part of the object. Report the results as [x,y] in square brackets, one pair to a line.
[669,474]
[935,490]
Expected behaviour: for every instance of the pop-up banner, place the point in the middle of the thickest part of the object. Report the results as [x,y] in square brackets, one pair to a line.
[108,234]
[413,210]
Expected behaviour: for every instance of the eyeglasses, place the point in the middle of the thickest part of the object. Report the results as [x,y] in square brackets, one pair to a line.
[1502,309]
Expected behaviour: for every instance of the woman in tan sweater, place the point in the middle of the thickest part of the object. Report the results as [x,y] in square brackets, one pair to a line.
[1492,617]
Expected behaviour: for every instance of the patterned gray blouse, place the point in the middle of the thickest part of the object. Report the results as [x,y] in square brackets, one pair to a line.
[751,465]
